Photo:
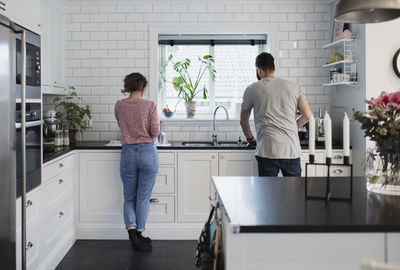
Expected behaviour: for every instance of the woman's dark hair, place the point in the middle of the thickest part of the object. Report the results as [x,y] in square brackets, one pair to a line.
[265,61]
[134,82]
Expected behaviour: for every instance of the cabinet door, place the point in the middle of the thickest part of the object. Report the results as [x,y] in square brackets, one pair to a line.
[58,42]
[53,46]
[195,170]
[100,188]
[25,12]
[237,164]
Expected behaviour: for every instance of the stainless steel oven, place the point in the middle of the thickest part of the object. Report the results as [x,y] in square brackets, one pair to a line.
[32,148]
[32,62]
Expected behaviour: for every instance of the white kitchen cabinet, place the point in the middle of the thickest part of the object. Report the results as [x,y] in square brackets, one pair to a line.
[237,164]
[100,188]
[25,13]
[53,46]
[101,193]
[195,170]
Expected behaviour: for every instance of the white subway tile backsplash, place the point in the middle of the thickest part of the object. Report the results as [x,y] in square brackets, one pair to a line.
[106,41]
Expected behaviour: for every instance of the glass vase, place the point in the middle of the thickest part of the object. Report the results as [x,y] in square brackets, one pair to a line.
[383,170]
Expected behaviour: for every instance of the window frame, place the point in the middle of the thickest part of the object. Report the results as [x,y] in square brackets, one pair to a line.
[211,86]
[270,29]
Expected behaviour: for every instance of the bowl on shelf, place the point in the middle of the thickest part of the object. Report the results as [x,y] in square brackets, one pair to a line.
[168,114]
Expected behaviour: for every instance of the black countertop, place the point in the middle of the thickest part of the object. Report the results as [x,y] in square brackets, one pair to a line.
[50,152]
[272,204]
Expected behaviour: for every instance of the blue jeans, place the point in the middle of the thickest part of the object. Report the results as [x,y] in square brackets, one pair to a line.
[271,167]
[138,169]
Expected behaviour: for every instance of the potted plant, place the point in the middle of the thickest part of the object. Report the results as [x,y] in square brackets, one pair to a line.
[381,123]
[186,87]
[73,116]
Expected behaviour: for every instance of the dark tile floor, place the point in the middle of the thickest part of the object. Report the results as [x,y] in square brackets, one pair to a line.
[119,255]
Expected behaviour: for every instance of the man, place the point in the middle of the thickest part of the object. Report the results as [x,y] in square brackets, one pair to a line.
[275,102]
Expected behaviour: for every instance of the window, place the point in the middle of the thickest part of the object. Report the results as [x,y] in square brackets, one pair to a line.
[234,64]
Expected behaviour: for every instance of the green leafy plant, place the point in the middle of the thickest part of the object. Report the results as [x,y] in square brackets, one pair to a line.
[72,115]
[186,87]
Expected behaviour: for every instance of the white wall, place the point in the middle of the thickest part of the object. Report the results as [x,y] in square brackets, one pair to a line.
[382,42]
[105,41]
[377,45]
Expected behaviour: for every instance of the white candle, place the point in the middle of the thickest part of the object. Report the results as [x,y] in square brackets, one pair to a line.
[311,135]
[346,135]
[328,135]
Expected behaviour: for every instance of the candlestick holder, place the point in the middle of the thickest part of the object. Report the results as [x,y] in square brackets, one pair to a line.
[328,164]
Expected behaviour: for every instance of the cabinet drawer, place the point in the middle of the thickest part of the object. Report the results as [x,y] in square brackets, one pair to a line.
[165,180]
[57,167]
[162,209]
[34,251]
[56,191]
[33,212]
[339,171]
[166,158]
[337,157]
[58,223]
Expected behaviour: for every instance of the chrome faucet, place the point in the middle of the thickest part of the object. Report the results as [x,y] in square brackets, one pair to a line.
[214,135]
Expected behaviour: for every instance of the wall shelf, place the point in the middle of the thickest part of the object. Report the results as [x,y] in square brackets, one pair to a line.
[344,72]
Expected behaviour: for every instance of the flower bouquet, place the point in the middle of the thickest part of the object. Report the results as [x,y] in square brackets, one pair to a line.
[381,123]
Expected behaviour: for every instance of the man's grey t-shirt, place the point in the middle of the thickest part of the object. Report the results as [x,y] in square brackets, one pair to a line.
[275,102]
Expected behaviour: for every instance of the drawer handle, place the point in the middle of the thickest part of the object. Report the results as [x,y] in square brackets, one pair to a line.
[29,203]
[60,181]
[29,245]
[221,157]
[338,157]
[212,157]
[338,171]
[60,214]
[60,165]
[154,200]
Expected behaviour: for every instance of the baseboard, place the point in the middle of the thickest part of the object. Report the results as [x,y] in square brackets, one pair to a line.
[154,232]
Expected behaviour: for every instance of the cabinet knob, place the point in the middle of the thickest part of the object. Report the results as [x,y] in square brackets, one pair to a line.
[29,245]
[338,157]
[338,171]
[60,165]
[60,181]
[60,214]
[28,203]
[154,200]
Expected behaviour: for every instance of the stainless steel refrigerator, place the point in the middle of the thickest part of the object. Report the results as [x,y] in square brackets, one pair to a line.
[7,146]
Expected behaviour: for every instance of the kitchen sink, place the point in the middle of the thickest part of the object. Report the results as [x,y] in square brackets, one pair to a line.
[209,144]
[197,144]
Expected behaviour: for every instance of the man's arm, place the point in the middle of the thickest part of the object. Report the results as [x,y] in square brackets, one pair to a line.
[306,113]
[244,122]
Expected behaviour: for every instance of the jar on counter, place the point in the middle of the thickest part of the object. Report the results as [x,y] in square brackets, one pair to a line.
[58,140]
[333,72]
[66,137]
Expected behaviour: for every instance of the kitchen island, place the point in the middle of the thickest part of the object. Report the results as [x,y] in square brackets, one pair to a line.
[268,224]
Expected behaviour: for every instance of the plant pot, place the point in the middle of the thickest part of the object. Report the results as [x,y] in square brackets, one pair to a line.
[383,171]
[72,137]
[190,109]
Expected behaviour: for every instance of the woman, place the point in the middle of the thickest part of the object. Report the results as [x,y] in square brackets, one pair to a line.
[138,121]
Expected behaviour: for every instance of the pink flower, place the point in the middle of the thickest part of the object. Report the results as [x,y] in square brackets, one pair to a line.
[394,97]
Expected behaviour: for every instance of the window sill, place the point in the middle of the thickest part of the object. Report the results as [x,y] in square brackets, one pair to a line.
[201,118]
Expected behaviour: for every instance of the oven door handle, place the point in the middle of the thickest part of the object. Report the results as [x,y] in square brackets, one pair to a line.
[30,124]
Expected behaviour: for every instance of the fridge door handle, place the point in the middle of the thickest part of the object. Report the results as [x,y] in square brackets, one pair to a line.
[29,124]
[23,149]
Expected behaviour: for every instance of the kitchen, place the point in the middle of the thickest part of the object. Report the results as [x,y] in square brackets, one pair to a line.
[92,45]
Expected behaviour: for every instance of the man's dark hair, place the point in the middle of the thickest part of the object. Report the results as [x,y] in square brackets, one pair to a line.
[134,82]
[265,61]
